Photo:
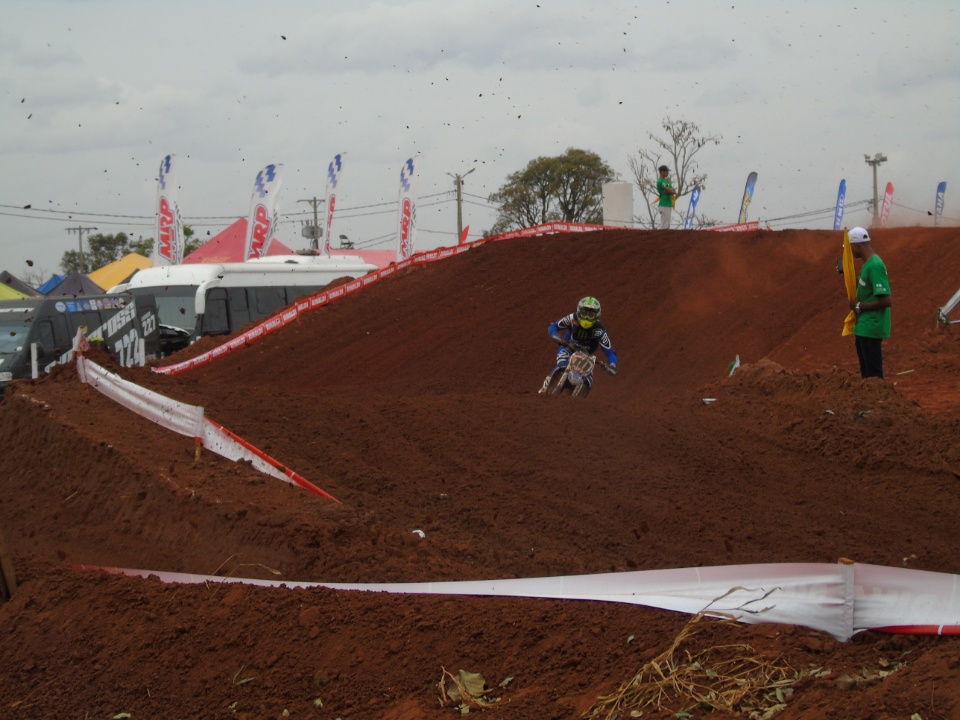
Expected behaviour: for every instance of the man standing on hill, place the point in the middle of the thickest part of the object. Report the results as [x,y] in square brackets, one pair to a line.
[668,197]
[871,305]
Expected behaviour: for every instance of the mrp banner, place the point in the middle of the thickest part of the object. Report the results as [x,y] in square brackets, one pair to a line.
[887,204]
[334,172]
[838,213]
[407,214]
[747,197]
[264,210]
[168,245]
[938,209]
[692,207]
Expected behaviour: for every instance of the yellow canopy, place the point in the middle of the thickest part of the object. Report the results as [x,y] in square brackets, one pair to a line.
[119,271]
[850,280]
[8,293]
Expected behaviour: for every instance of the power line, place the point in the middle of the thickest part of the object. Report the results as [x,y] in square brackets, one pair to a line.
[483,205]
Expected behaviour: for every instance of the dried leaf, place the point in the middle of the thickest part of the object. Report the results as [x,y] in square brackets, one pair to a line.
[474,683]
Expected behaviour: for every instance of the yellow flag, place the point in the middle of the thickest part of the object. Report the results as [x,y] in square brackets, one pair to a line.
[850,280]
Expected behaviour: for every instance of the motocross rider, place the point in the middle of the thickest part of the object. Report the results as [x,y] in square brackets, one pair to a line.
[584,331]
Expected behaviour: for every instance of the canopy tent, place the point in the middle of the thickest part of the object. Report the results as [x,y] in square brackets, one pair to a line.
[380,258]
[119,271]
[19,285]
[75,284]
[228,246]
[9,293]
[50,284]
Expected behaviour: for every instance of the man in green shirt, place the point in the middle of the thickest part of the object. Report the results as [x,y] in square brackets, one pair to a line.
[668,197]
[872,305]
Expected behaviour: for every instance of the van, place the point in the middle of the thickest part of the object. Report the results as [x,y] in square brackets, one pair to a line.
[38,333]
[202,299]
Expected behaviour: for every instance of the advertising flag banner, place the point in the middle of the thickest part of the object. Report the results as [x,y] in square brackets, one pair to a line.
[849,282]
[168,245]
[747,196]
[692,207]
[407,214]
[838,213]
[938,211]
[334,172]
[887,204]
[264,211]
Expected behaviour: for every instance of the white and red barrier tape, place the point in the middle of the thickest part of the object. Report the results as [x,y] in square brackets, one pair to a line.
[323,297]
[188,420]
[841,599]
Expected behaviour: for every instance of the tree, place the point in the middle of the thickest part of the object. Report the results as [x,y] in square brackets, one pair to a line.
[567,188]
[144,246]
[677,150]
[34,276]
[101,250]
[104,249]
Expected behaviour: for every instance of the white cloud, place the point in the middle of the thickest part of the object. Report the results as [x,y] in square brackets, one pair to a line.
[799,93]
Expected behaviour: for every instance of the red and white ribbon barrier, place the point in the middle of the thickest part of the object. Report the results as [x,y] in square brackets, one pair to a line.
[324,297]
[188,420]
[737,227]
[218,439]
[841,599]
[176,416]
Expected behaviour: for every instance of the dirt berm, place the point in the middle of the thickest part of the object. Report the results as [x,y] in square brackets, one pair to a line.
[414,402]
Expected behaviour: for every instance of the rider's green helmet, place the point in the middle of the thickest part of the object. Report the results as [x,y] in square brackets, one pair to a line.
[588,312]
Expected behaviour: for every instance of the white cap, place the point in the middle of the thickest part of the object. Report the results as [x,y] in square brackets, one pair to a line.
[858,235]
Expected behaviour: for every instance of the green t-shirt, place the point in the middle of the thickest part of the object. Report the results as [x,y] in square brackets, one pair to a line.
[666,200]
[873,283]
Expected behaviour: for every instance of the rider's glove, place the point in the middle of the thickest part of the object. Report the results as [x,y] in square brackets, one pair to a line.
[613,369]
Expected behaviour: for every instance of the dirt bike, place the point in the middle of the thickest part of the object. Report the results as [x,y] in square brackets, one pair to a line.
[573,378]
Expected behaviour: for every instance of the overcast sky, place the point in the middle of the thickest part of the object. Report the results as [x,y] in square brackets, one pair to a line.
[96,92]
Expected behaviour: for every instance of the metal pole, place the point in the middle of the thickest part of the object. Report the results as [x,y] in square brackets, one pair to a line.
[874,162]
[79,231]
[459,206]
[315,231]
[458,181]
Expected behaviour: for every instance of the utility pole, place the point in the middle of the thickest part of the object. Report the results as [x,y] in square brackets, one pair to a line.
[458,180]
[874,162]
[312,232]
[80,231]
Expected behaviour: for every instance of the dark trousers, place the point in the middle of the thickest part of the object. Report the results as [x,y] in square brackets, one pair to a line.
[870,354]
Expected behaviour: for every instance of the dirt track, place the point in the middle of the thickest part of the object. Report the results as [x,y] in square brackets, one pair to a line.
[414,402]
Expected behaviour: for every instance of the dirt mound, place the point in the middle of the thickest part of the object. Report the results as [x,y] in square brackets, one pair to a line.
[414,402]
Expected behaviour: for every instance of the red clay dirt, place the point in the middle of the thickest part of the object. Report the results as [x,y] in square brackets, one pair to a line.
[415,403]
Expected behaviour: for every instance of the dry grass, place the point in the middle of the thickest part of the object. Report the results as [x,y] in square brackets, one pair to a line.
[732,678]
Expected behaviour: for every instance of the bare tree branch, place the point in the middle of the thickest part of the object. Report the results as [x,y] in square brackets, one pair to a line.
[676,150]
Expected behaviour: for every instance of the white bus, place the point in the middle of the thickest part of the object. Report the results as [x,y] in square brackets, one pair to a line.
[195,300]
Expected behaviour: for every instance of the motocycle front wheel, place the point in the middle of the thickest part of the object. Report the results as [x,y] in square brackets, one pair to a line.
[556,384]
[580,391]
